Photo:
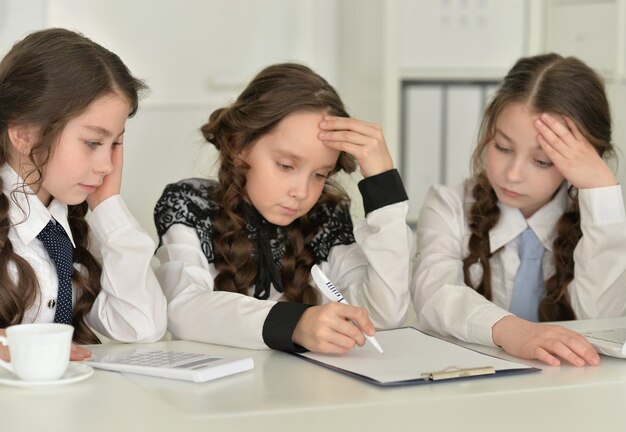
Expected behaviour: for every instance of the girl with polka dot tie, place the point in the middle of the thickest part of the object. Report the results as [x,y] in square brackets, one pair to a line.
[64,101]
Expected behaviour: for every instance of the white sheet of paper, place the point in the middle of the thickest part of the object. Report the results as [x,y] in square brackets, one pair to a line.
[409,353]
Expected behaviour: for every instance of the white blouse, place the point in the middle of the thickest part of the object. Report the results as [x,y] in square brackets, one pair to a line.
[372,273]
[131,306]
[445,305]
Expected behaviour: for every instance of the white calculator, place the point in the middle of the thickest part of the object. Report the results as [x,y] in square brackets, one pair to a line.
[172,364]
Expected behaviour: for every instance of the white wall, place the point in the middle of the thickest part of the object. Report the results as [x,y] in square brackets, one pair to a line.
[196,55]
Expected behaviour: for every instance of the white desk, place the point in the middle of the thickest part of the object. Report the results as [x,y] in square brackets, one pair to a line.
[286,393]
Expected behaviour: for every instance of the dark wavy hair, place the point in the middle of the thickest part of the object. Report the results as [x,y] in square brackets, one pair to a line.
[46,79]
[274,93]
[558,85]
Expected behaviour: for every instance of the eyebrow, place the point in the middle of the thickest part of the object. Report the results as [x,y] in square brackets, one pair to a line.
[506,137]
[509,139]
[107,133]
[298,158]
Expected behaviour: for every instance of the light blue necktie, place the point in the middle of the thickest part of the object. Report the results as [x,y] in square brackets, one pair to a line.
[529,285]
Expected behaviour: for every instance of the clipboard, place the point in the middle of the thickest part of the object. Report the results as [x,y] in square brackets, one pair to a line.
[412,357]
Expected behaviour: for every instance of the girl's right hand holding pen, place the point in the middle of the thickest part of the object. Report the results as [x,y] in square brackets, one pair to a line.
[328,328]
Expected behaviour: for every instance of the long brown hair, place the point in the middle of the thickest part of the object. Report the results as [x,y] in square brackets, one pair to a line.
[274,93]
[46,79]
[546,83]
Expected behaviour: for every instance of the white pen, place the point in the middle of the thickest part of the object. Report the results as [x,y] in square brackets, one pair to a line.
[333,294]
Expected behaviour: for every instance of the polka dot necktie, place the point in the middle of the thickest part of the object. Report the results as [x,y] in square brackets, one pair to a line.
[529,285]
[60,249]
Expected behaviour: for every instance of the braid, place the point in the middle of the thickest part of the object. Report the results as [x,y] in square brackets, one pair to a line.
[299,255]
[297,262]
[483,216]
[233,248]
[16,296]
[556,306]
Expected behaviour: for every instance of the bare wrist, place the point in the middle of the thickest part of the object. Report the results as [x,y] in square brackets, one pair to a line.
[502,328]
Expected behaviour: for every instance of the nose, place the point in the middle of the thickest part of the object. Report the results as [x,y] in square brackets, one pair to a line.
[104,163]
[516,171]
[299,188]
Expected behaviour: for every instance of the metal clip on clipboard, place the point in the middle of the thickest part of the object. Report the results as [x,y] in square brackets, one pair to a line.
[454,372]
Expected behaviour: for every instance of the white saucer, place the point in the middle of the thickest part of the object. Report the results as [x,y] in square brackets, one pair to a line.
[75,372]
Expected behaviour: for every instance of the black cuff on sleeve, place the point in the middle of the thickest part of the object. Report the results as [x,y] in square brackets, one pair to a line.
[280,324]
[382,190]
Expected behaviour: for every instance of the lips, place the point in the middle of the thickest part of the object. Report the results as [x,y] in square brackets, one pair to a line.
[289,210]
[510,193]
[89,188]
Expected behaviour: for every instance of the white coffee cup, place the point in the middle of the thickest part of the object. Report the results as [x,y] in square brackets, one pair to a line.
[39,351]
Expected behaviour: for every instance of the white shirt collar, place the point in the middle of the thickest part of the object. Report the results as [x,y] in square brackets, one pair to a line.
[26,211]
[543,222]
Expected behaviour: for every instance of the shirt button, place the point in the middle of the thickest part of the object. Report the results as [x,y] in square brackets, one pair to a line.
[51,303]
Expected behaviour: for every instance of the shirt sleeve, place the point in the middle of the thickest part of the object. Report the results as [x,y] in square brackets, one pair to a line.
[131,306]
[443,302]
[374,272]
[598,289]
[197,312]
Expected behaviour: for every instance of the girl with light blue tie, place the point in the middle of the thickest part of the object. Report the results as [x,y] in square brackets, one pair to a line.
[538,233]
[64,102]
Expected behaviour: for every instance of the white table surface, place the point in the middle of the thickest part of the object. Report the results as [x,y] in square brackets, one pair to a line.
[284,392]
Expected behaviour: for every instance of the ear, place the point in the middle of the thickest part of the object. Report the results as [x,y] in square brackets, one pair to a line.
[22,138]
[243,154]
